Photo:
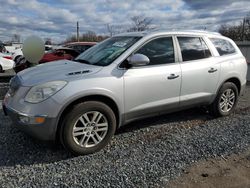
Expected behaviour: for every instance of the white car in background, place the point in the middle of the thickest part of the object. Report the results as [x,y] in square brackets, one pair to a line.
[16,54]
[19,53]
[11,49]
[6,62]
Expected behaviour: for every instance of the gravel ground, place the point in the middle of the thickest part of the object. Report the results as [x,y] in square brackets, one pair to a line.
[146,153]
[4,84]
[3,89]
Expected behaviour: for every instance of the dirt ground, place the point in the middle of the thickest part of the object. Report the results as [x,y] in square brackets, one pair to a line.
[223,172]
[228,172]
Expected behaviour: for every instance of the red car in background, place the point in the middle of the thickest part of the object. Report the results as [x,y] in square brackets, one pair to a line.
[80,46]
[58,54]
[52,55]
[69,51]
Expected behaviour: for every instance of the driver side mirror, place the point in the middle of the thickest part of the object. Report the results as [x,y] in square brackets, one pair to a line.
[138,60]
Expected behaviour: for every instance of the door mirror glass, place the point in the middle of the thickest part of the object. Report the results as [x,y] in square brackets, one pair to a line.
[138,60]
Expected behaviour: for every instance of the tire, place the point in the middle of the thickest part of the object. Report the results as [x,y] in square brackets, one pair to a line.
[225,101]
[1,69]
[17,58]
[80,136]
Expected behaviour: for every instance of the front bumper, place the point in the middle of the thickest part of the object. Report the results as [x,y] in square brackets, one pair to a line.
[45,131]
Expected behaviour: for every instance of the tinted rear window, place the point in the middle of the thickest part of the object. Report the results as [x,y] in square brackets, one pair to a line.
[193,48]
[223,47]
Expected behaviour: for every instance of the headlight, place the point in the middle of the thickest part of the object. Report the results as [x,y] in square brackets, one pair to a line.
[41,92]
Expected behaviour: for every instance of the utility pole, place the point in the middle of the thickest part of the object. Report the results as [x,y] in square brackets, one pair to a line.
[77,31]
[243,29]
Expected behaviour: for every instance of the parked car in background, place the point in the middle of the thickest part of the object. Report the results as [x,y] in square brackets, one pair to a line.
[48,48]
[6,62]
[6,55]
[21,63]
[80,46]
[16,54]
[58,54]
[125,78]
[19,53]
[2,48]
[11,49]
[52,55]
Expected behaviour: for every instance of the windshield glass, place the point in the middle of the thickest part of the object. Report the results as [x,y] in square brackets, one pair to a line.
[106,52]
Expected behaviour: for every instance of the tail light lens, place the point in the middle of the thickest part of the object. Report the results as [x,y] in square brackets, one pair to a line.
[7,57]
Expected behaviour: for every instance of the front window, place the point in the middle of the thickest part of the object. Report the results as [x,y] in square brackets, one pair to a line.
[106,52]
[159,51]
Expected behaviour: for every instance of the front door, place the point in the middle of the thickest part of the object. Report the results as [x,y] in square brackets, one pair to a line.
[154,88]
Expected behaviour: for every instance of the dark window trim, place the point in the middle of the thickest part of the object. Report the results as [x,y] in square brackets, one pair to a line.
[144,43]
[191,36]
[235,50]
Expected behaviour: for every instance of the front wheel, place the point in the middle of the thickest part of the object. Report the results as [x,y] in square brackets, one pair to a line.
[225,101]
[88,128]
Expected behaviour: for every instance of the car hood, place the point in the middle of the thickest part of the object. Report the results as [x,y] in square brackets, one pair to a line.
[56,70]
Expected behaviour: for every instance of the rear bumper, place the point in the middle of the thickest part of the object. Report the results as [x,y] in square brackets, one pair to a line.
[45,131]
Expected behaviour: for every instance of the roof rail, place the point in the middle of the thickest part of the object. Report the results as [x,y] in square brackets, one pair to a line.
[202,31]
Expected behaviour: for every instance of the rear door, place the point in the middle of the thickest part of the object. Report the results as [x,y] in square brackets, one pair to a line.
[200,71]
[154,88]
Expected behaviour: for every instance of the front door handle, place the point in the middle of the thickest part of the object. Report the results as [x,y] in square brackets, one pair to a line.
[172,76]
[211,70]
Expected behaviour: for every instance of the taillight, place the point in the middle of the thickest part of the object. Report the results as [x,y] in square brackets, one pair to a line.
[7,57]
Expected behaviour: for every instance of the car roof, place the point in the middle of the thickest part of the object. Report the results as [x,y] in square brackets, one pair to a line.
[63,48]
[80,43]
[173,32]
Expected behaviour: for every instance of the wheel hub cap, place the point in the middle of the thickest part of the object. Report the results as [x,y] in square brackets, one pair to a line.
[90,129]
[227,100]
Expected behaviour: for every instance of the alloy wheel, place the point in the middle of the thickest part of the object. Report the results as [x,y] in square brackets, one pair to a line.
[90,129]
[227,100]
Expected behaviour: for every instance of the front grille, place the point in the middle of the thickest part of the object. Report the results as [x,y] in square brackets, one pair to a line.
[15,83]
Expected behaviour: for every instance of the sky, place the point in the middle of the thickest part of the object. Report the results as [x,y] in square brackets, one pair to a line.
[57,19]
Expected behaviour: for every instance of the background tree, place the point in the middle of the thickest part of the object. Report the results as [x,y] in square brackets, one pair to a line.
[137,23]
[237,32]
[114,29]
[110,29]
[140,23]
[89,36]
[16,38]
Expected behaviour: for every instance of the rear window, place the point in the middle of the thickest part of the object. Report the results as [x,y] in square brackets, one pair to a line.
[223,47]
[193,48]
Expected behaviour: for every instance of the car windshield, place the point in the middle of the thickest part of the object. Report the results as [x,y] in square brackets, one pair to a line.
[106,52]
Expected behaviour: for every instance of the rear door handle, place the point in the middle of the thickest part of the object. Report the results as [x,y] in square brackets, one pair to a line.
[172,76]
[211,70]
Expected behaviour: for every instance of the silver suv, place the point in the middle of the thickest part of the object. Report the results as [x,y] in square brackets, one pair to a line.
[124,78]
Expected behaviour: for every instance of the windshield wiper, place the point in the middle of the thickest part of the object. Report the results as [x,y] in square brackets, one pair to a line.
[82,61]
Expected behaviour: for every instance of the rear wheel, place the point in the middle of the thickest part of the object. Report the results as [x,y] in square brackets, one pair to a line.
[225,101]
[88,128]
